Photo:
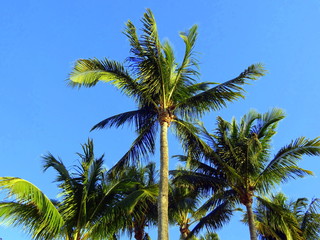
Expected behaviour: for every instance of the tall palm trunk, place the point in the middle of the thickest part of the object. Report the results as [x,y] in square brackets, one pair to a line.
[252,227]
[163,225]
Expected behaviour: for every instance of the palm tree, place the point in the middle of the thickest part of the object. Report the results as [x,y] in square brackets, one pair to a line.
[139,204]
[166,94]
[210,236]
[278,219]
[236,162]
[86,198]
[182,206]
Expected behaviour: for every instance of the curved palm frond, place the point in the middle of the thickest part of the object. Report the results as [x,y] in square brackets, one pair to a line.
[214,220]
[142,146]
[283,166]
[275,219]
[308,216]
[31,205]
[138,117]
[218,96]
[88,72]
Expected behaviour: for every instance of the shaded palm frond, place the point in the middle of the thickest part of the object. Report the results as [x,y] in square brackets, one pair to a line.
[142,146]
[218,96]
[138,118]
[214,220]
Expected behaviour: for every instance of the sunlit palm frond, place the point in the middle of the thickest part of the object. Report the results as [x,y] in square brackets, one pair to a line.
[267,122]
[30,200]
[185,74]
[139,198]
[275,219]
[88,72]
[284,165]
[197,181]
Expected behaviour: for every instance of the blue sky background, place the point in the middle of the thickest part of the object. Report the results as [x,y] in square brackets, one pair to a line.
[40,40]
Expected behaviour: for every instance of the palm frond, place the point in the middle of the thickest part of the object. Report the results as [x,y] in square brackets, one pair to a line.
[51,162]
[138,118]
[283,166]
[219,216]
[267,122]
[218,96]
[183,82]
[88,72]
[310,220]
[30,200]
[188,136]
[142,146]
[275,219]
[197,181]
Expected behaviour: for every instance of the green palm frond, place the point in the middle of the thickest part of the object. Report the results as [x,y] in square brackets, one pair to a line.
[88,72]
[139,198]
[184,78]
[218,96]
[30,200]
[276,219]
[63,176]
[202,182]
[284,165]
[268,122]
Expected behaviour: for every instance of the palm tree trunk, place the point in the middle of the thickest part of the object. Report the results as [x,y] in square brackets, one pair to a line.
[163,225]
[138,233]
[184,230]
[252,227]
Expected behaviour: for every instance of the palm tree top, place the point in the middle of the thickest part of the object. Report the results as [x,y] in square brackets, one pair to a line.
[152,76]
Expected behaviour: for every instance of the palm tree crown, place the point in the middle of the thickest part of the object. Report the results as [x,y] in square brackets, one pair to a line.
[165,92]
[86,198]
[279,219]
[237,162]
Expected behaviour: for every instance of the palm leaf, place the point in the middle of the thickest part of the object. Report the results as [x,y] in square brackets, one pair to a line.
[28,195]
[138,118]
[283,166]
[88,72]
[214,220]
[218,96]
[142,146]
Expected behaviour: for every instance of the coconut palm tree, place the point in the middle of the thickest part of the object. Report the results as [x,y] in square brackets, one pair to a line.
[182,206]
[166,93]
[210,236]
[86,197]
[279,219]
[237,165]
[139,203]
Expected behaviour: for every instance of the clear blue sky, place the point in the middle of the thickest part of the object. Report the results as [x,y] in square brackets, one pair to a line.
[40,40]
